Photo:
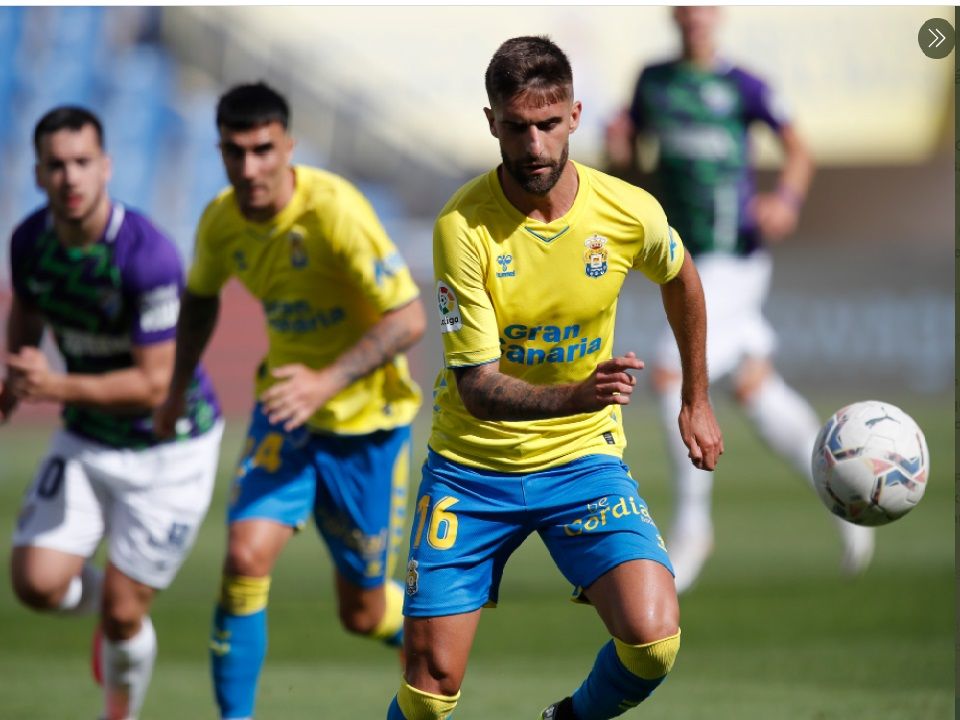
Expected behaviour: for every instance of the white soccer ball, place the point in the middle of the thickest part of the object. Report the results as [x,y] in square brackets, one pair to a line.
[870,463]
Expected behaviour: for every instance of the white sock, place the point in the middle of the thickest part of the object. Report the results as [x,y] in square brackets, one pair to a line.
[127,668]
[83,593]
[786,422]
[693,488]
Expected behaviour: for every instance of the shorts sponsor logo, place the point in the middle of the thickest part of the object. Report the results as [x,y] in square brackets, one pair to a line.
[413,577]
[607,510]
[449,307]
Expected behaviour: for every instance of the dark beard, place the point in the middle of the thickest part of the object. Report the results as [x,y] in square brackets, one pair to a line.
[536,184]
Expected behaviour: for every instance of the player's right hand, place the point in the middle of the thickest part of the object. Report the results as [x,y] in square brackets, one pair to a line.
[166,415]
[610,383]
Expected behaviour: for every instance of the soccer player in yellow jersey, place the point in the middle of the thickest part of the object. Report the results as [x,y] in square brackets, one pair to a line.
[330,433]
[530,259]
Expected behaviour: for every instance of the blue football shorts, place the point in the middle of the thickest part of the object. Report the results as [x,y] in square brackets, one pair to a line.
[355,486]
[467,522]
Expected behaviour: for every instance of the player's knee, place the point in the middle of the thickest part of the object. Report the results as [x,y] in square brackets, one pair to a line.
[244,559]
[35,594]
[664,379]
[121,617]
[652,660]
[359,620]
[750,378]
[420,705]
[241,595]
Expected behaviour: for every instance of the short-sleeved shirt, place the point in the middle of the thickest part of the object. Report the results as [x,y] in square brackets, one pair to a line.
[325,272]
[700,118]
[541,299]
[101,301]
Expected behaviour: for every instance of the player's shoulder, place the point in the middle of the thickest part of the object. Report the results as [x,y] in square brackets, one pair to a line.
[471,204]
[630,199]
[742,76]
[220,214]
[141,246]
[30,228]
[322,189]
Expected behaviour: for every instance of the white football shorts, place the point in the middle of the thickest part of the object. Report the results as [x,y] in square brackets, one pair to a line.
[735,289]
[148,503]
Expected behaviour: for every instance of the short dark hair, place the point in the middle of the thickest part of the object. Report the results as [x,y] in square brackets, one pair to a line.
[250,105]
[66,117]
[531,64]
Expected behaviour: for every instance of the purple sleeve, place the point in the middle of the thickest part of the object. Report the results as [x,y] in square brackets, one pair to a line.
[152,280]
[760,101]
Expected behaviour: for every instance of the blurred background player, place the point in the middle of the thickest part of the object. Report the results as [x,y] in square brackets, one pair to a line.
[330,434]
[699,108]
[527,427]
[107,283]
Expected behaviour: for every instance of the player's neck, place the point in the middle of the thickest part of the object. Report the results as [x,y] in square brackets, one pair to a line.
[86,231]
[286,192]
[703,57]
[545,208]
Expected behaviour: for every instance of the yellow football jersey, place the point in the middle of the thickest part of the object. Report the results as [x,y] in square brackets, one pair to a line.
[541,298]
[325,272]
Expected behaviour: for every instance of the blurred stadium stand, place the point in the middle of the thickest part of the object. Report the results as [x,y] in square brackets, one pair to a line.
[391,97]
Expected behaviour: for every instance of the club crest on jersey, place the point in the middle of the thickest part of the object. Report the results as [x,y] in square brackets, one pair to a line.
[413,577]
[504,261]
[450,320]
[595,256]
[298,250]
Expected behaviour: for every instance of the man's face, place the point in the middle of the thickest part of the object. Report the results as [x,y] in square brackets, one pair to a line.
[697,25]
[534,135]
[256,161]
[73,170]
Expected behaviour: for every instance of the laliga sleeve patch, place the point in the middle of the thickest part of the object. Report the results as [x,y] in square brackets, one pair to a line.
[449,307]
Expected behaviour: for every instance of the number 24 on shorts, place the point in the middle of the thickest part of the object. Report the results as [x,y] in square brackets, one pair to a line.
[443,525]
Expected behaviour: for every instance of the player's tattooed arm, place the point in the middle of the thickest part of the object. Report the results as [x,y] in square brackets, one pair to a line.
[195,325]
[489,394]
[300,390]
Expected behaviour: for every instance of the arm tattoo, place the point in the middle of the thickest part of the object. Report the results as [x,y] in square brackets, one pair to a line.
[490,395]
[395,332]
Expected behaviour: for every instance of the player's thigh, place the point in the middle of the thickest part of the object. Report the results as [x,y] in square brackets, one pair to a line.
[361,500]
[63,509]
[40,576]
[637,601]
[159,498]
[275,479]
[466,525]
[594,519]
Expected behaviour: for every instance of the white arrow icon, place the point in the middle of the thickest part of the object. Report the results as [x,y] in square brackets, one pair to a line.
[938,37]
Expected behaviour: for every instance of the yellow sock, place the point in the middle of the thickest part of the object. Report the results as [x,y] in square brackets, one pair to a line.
[418,705]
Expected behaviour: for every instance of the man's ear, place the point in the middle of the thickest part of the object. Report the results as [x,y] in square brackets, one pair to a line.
[491,121]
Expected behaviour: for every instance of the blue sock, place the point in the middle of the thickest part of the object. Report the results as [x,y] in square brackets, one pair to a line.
[237,649]
[610,689]
[393,712]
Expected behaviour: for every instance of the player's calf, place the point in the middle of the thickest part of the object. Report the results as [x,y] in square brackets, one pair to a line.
[622,677]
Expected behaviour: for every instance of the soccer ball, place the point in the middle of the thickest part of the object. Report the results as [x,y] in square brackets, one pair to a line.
[870,463]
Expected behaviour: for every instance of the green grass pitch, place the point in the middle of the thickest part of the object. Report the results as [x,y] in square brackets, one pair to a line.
[771,632]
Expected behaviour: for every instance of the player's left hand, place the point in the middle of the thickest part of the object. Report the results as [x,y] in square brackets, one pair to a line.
[32,379]
[776,216]
[297,394]
[701,434]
